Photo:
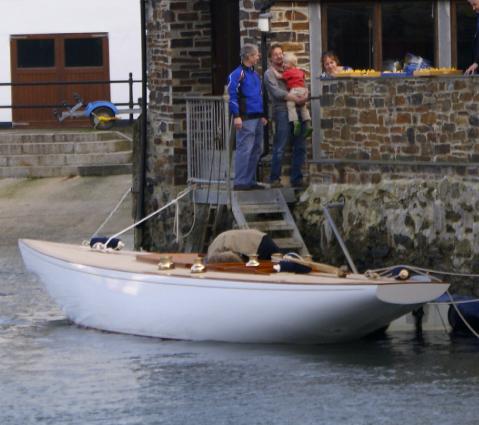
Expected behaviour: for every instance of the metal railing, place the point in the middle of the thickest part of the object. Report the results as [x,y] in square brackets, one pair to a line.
[209,147]
[130,81]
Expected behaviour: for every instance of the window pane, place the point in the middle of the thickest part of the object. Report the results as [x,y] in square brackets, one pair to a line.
[36,53]
[466,28]
[83,52]
[408,27]
[350,33]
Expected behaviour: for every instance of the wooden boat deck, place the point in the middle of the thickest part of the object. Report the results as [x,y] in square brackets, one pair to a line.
[147,263]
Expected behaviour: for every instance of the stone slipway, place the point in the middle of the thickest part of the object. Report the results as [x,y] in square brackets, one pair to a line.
[62,209]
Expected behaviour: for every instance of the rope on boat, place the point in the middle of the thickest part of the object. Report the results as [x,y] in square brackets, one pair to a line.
[188,233]
[454,304]
[461,316]
[103,246]
[474,300]
[426,272]
[386,270]
[444,326]
[112,212]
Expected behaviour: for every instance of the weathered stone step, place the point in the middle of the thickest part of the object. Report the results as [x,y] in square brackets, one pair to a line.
[65,147]
[58,137]
[105,170]
[58,160]
[70,170]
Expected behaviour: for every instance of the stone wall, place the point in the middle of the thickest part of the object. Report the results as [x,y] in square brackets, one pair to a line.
[289,26]
[431,223]
[425,122]
[179,62]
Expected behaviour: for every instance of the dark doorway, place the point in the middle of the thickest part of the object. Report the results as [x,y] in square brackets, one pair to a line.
[226,41]
[57,57]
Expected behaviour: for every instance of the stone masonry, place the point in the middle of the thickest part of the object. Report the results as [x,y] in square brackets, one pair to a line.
[289,26]
[179,63]
[431,224]
[431,123]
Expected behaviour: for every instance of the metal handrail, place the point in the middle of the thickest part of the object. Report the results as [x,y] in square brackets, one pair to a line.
[130,81]
[47,106]
[66,83]
[335,230]
[208,139]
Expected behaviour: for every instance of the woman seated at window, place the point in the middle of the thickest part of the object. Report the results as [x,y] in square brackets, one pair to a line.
[331,65]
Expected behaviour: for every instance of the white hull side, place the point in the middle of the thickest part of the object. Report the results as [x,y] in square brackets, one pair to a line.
[207,309]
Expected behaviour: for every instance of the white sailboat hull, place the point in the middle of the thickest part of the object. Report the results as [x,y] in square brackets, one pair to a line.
[127,297]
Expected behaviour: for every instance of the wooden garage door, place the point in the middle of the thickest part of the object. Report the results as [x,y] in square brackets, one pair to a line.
[57,57]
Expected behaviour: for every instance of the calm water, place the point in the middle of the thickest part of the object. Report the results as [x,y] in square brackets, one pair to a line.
[52,372]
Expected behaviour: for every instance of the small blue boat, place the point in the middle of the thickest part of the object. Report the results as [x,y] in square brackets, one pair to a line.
[468,309]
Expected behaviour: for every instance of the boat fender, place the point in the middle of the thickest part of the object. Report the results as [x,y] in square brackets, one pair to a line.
[115,243]
[291,267]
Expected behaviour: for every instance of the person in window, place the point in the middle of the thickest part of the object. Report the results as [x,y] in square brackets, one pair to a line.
[473,68]
[246,106]
[278,95]
[331,65]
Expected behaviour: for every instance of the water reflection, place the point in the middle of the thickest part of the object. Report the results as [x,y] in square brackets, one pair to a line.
[55,372]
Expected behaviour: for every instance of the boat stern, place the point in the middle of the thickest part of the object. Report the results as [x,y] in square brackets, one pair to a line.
[410,292]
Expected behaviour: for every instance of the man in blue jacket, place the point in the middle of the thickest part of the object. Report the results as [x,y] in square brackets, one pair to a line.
[246,106]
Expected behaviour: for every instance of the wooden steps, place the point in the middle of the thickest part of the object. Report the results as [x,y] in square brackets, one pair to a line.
[267,211]
[270,225]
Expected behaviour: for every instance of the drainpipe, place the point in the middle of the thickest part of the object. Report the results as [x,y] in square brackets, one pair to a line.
[140,207]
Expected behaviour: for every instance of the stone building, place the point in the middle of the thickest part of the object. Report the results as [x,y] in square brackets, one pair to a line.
[192,45]
[366,131]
